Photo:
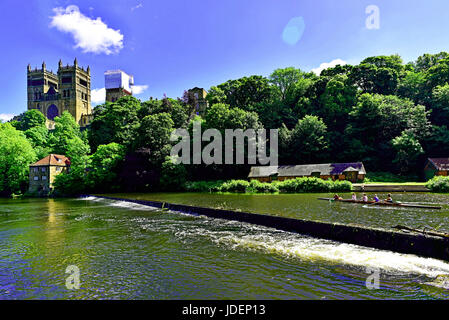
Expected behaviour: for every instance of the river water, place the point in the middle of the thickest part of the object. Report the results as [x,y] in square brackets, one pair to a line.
[130,251]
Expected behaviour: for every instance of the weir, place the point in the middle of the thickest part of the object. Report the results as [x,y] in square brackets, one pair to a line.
[403,242]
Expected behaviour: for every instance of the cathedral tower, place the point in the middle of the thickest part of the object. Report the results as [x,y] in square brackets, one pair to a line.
[68,90]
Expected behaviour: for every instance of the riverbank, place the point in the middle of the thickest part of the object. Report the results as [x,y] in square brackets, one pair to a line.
[390,187]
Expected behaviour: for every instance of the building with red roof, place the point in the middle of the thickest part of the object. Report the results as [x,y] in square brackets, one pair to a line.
[44,171]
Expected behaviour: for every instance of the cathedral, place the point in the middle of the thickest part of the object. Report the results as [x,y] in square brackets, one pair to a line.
[67,90]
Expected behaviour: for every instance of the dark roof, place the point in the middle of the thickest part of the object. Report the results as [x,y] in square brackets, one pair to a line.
[53,160]
[52,91]
[440,163]
[327,169]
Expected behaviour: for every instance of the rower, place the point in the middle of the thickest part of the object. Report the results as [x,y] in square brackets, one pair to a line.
[376,198]
[337,197]
[354,197]
[365,198]
[389,198]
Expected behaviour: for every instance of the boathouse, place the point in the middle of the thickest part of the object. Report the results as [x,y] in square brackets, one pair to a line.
[44,171]
[436,167]
[336,171]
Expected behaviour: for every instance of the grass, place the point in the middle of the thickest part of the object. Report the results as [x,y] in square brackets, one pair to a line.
[397,183]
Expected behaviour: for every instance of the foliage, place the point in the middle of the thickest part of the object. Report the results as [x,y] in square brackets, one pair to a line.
[115,122]
[389,177]
[31,119]
[154,133]
[438,184]
[308,140]
[234,186]
[304,185]
[16,154]
[408,149]
[173,176]
[104,165]
[202,186]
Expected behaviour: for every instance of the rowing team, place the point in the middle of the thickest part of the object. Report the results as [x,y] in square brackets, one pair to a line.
[365,198]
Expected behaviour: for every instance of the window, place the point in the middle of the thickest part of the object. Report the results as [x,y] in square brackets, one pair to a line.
[36,178]
[36,170]
[43,169]
[58,168]
[44,177]
[66,79]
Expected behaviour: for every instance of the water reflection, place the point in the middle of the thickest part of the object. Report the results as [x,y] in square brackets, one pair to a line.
[128,251]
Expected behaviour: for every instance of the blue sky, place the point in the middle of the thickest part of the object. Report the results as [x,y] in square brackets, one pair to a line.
[170,46]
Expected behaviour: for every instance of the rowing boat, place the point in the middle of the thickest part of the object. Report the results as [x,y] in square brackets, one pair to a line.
[383,203]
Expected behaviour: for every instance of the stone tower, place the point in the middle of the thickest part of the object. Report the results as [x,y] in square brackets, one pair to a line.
[68,90]
[118,84]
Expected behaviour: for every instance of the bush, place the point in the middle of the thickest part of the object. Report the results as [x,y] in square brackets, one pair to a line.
[173,176]
[203,186]
[438,184]
[256,186]
[303,185]
[298,185]
[234,186]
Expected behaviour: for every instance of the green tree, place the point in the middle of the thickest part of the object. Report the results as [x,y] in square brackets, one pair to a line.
[104,165]
[31,119]
[440,105]
[413,85]
[115,122]
[426,61]
[245,93]
[173,176]
[375,120]
[16,154]
[38,136]
[67,136]
[285,79]
[308,140]
[408,149]
[154,133]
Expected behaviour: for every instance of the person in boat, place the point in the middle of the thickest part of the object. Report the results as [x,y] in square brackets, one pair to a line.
[354,197]
[337,197]
[376,198]
[389,198]
[365,198]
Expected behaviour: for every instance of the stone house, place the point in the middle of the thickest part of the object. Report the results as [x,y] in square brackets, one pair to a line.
[44,171]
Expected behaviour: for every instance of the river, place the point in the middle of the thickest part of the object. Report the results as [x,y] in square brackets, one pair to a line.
[130,251]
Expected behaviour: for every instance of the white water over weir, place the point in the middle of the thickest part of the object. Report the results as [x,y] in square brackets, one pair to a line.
[402,242]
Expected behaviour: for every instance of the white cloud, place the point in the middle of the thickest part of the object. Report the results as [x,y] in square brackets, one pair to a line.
[98,95]
[328,65]
[139,89]
[6,117]
[90,35]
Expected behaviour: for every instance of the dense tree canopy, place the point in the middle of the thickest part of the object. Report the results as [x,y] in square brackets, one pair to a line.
[16,153]
[388,114]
